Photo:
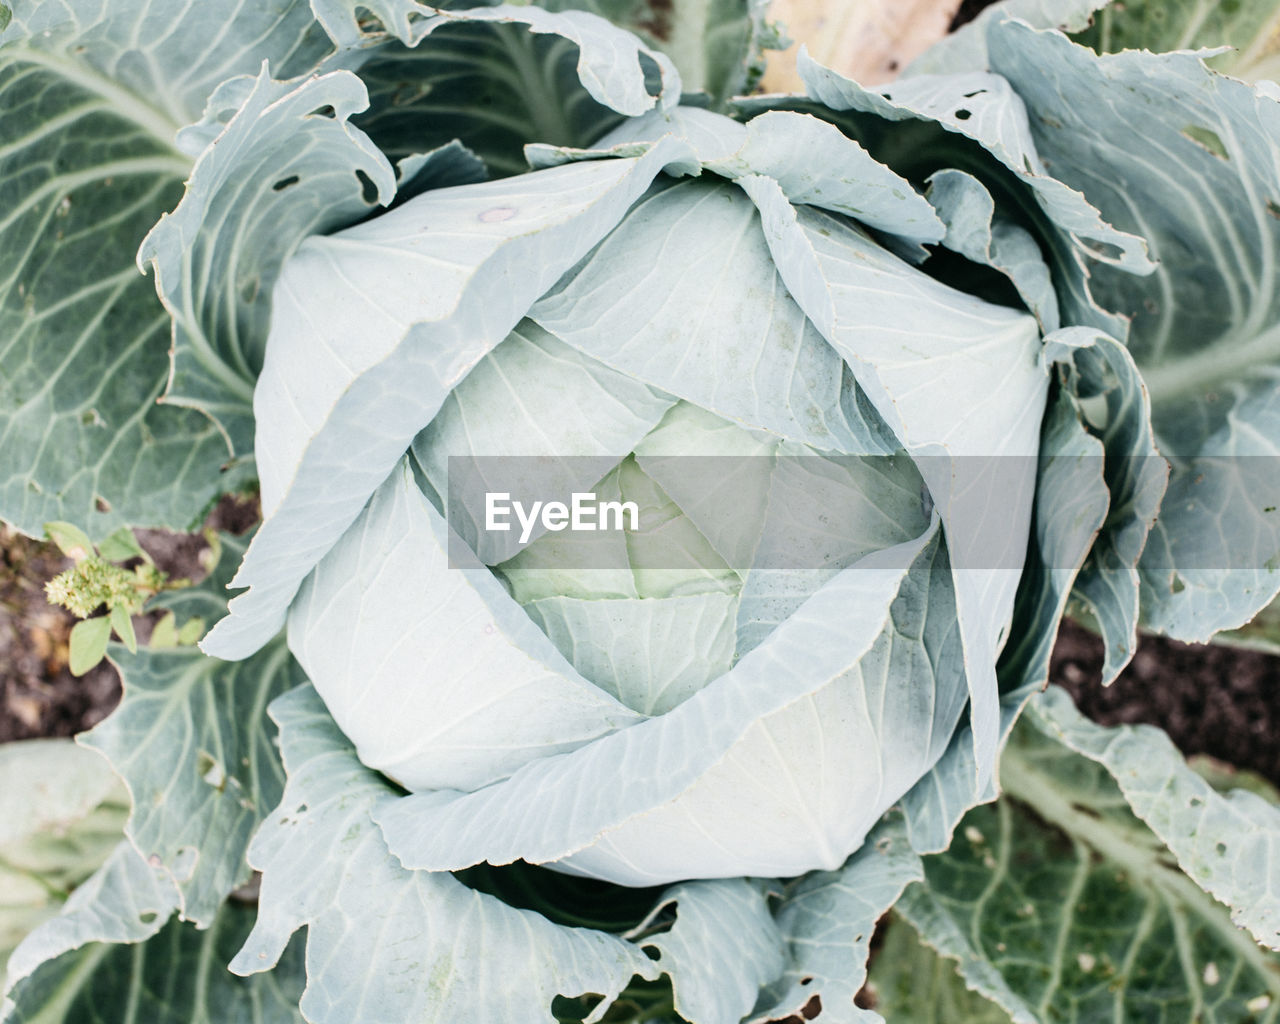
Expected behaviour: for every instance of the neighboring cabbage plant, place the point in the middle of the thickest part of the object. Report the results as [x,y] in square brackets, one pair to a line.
[894,379]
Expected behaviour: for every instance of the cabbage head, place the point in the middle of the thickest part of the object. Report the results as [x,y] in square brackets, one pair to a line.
[833,456]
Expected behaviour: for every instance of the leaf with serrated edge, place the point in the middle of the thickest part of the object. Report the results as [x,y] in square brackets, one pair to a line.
[828,918]
[84,339]
[175,977]
[1227,843]
[278,173]
[1059,904]
[193,744]
[431,943]
[126,900]
[1206,325]
[1071,506]
[723,948]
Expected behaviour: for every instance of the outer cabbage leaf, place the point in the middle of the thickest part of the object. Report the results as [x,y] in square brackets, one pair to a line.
[354,369]
[176,977]
[91,100]
[717,46]
[124,901]
[910,982]
[192,742]
[496,77]
[1196,182]
[1251,27]
[977,124]
[976,231]
[723,949]
[1071,507]
[828,919]
[966,48]
[1099,372]
[1059,903]
[278,173]
[326,866]
[61,814]
[1228,844]
[865,302]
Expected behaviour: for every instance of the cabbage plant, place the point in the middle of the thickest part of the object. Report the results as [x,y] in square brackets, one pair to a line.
[892,378]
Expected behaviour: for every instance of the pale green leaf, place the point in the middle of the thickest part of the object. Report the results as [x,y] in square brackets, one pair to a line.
[1206,325]
[651,653]
[743,797]
[1251,28]
[87,644]
[1227,843]
[176,977]
[122,625]
[62,811]
[439,950]
[350,357]
[722,950]
[121,546]
[164,634]
[91,99]
[277,173]
[1059,904]
[531,396]
[71,540]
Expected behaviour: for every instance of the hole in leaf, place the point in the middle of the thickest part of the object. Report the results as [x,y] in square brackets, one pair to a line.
[652,952]
[101,503]
[284,183]
[963,115]
[147,916]
[368,190]
[1273,208]
[325,111]
[807,980]
[1206,138]
[1176,586]
[1221,848]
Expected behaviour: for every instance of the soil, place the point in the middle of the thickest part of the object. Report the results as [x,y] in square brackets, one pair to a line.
[1215,700]
[38,694]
